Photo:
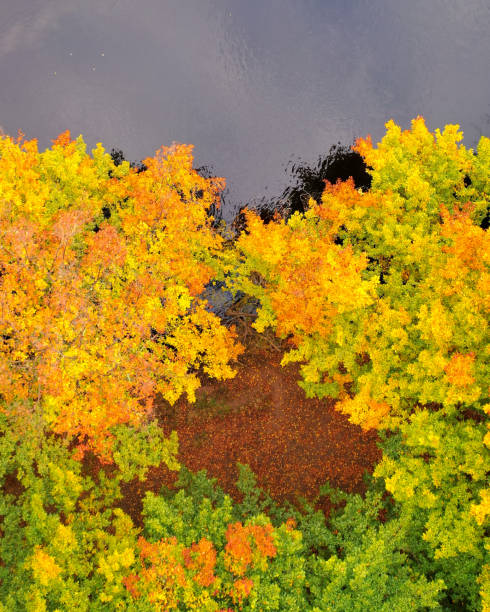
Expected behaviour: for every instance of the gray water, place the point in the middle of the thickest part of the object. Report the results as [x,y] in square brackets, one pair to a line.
[253,84]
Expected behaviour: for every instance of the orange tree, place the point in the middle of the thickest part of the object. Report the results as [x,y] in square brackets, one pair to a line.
[100,269]
[383,296]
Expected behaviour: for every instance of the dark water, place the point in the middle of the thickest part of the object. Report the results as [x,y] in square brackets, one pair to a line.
[253,84]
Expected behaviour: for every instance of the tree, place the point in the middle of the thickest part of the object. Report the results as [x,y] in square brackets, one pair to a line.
[399,308]
[384,297]
[65,542]
[100,309]
[437,472]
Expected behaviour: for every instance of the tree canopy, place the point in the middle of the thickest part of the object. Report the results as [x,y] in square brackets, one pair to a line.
[100,280]
[382,294]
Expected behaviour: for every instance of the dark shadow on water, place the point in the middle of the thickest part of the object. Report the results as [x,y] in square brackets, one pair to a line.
[340,163]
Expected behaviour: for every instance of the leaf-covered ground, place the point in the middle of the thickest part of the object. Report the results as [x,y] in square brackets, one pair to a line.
[262,418]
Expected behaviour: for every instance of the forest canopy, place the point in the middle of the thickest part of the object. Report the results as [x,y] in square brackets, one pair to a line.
[382,294]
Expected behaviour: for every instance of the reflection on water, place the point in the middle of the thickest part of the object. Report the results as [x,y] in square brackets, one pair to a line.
[340,163]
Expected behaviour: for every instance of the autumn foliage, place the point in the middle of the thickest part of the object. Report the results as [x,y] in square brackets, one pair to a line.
[100,273]
[383,297]
[387,290]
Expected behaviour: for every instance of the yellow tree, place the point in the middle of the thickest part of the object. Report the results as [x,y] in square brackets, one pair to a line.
[385,298]
[100,272]
[385,290]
